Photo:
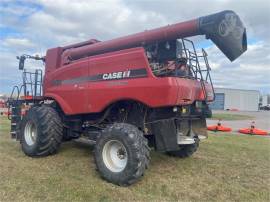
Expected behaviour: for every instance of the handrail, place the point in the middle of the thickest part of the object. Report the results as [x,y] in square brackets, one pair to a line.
[12,92]
[192,56]
[33,82]
[11,96]
[208,69]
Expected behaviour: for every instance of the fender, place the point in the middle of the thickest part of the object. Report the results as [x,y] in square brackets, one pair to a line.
[62,103]
[112,102]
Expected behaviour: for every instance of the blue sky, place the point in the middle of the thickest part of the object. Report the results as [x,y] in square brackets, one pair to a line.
[34,26]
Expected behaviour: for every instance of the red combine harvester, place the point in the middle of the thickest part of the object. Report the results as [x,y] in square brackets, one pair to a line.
[150,89]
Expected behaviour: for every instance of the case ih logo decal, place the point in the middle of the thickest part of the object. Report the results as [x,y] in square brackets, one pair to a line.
[133,73]
[116,75]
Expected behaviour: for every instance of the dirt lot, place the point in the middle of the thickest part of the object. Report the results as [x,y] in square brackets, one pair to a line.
[261,118]
[226,168]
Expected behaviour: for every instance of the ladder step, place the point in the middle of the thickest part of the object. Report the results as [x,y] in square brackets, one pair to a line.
[13,124]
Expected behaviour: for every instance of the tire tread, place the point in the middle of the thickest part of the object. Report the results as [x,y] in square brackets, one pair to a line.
[49,128]
[139,147]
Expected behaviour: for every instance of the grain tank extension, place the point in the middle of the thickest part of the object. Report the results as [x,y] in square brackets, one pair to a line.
[127,95]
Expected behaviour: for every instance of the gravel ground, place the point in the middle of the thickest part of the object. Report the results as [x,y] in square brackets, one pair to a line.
[261,118]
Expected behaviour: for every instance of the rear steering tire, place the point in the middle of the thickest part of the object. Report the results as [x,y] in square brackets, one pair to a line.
[185,150]
[41,131]
[121,154]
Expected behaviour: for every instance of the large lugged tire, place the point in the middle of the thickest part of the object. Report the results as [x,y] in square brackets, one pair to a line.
[41,131]
[121,154]
[185,150]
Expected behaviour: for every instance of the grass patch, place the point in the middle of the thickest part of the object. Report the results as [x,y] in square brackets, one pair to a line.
[231,117]
[225,168]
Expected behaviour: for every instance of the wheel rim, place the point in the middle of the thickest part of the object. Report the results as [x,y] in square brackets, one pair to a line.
[115,156]
[30,133]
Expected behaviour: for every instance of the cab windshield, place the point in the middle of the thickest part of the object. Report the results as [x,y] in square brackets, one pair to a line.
[177,58]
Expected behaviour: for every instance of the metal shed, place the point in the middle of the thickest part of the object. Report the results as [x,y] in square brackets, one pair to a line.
[238,99]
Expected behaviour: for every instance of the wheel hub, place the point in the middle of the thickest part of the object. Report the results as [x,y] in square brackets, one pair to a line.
[114,156]
[121,153]
[30,133]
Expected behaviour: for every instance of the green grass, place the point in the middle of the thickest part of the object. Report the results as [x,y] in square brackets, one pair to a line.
[225,168]
[231,117]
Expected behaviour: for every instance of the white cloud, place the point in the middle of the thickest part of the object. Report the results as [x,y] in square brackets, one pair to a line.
[250,71]
[63,22]
[18,42]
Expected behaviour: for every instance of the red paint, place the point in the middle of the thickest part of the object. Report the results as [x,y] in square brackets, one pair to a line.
[219,128]
[27,97]
[207,25]
[179,30]
[252,131]
[91,58]
[89,97]
[59,56]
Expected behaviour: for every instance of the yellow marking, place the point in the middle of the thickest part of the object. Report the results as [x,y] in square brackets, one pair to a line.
[184,110]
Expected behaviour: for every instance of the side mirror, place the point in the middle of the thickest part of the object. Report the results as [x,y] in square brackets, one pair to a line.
[21,62]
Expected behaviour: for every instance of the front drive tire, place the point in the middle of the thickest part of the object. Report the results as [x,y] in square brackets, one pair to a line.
[185,150]
[121,154]
[41,131]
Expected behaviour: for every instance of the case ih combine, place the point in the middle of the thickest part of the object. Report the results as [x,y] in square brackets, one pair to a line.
[128,94]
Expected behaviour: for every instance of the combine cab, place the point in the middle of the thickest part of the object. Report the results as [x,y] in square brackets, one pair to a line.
[147,90]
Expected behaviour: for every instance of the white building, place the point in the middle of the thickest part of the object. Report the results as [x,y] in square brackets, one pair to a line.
[243,100]
[264,100]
